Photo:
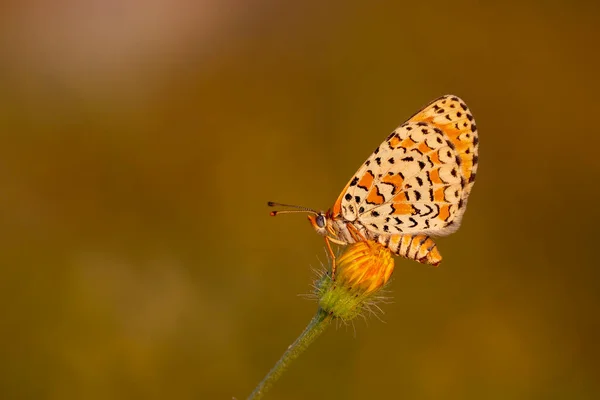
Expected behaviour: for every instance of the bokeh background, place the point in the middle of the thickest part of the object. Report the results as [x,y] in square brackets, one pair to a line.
[140,141]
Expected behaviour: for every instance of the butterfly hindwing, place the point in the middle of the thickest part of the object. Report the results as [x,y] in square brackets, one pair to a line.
[417,181]
[450,114]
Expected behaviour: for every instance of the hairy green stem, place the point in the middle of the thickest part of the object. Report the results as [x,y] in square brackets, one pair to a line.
[318,324]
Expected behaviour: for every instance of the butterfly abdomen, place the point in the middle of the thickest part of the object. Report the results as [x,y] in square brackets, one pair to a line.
[420,248]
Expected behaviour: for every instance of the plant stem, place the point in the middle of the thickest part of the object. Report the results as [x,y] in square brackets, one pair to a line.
[318,324]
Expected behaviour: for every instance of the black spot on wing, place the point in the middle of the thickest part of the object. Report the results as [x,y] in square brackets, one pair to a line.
[431,164]
[394,188]
[437,211]
[429,179]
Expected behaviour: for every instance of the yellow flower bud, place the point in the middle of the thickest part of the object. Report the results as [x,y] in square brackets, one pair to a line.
[363,269]
[366,266]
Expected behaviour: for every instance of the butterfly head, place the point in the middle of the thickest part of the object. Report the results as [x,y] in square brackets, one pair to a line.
[321,221]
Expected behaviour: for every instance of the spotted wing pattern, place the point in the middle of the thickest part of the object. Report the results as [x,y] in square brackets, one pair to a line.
[417,181]
[453,117]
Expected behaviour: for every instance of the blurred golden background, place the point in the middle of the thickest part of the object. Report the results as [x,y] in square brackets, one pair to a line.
[141,140]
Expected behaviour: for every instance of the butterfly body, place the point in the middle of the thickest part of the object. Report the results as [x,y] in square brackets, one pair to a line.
[420,248]
[413,186]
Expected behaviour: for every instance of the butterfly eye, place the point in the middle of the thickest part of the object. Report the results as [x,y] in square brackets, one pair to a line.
[320,221]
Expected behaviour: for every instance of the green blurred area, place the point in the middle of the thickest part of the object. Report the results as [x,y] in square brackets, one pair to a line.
[137,257]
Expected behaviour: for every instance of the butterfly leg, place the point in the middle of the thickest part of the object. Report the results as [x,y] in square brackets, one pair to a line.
[332,255]
[355,233]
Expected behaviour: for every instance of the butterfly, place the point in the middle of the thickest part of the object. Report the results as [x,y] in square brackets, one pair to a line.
[415,185]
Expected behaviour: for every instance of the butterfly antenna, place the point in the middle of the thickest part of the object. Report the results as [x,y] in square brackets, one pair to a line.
[295,209]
